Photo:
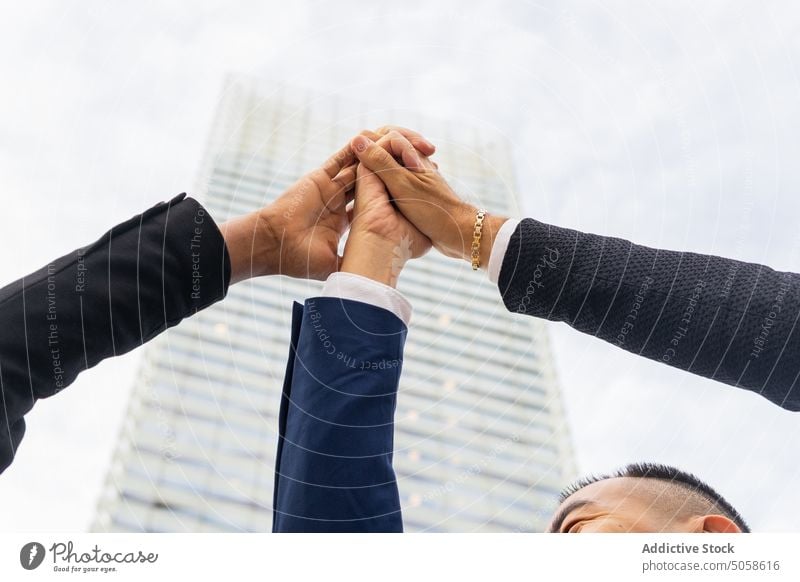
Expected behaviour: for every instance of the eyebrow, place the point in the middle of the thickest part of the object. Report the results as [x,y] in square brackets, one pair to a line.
[564,512]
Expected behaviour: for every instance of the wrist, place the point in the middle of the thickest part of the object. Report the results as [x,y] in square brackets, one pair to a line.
[491,224]
[456,242]
[374,258]
[252,247]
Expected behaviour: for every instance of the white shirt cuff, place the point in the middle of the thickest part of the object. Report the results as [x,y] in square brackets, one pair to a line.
[500,247]
[358,288]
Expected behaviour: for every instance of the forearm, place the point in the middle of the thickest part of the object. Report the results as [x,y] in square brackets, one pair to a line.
[104,299]
[334,462]
[253,245]
[715,317]
[374,262]
[241,238]
[492,224]
[375,259]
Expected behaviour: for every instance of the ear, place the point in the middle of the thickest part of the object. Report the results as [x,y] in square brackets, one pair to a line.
[718,524]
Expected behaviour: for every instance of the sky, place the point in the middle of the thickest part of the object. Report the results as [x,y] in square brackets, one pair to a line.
[670,123]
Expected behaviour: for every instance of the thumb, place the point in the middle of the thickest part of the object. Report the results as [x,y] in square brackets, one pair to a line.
[378,160]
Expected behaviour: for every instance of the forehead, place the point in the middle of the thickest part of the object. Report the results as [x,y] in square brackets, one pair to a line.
[612,493]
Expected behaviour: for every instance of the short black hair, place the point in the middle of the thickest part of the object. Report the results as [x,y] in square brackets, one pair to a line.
[674,476]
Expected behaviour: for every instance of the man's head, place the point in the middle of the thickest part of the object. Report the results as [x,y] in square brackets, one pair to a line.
[645,498]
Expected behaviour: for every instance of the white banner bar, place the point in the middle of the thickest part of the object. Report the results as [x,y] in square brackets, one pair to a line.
[386,558]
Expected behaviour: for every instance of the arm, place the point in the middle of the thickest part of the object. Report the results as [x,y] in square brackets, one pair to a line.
[727,320]
[731,321]
[334,461]
[138,279]
[149,273]
[333,468]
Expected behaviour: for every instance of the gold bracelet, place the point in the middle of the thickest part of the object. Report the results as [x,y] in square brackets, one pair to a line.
[476,239]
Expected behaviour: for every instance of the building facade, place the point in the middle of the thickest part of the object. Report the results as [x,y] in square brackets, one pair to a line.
[481,439]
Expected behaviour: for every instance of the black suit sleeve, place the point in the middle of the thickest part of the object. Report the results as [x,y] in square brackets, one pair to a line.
[102,300]
[727,320]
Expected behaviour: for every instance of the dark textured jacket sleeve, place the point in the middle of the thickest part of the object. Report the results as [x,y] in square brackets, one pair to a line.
[333,468]
[102,300]
[727,320]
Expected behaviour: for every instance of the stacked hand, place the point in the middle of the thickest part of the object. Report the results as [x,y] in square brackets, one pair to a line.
[381,239]
[400,205]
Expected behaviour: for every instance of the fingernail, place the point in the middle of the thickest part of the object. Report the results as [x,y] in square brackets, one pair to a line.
[429,144]
[360,143]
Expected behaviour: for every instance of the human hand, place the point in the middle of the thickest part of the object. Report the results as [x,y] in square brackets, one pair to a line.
[381,239]
[423,195]
[298,234]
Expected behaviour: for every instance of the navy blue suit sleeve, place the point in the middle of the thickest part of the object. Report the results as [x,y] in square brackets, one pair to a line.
[723,319]
[141,277]
[336,428]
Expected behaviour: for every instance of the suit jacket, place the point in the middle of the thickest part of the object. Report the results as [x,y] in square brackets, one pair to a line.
[727,320]
[701,313]
[104,299]
[724,319]
[333,468]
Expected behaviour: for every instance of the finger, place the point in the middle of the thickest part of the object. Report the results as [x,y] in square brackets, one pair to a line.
[374,136]
[345,178]
[401,148]
[422,145]
[425,147]
[341,159]
[378,160]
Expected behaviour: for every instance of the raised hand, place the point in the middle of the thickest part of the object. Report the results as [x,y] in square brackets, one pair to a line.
[423,195]
[298,234]
[381,239]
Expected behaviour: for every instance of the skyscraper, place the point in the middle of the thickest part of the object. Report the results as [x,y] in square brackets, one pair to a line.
[481,442]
